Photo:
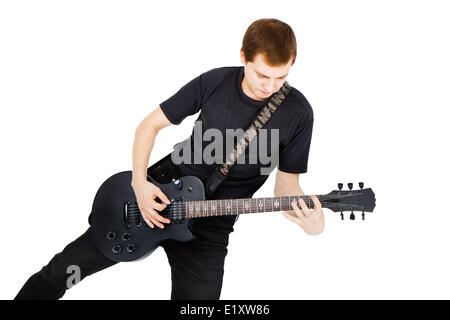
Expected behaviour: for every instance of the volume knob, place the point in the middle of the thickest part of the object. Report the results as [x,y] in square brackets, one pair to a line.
[116,249]
[126,237]
[111,235]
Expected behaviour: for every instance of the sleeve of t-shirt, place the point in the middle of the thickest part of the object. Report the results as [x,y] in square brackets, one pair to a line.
[189,99]
[294,155]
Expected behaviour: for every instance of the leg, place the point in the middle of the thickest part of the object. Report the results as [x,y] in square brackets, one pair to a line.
[51,281]
[197,265]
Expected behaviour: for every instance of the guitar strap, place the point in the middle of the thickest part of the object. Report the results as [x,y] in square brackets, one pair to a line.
[266,112]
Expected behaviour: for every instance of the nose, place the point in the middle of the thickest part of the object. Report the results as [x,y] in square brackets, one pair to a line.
[270,85]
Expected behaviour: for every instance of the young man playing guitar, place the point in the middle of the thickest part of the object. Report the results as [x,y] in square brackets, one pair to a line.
[227,98]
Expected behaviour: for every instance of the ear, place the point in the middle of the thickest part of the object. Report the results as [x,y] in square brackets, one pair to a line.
[242,57]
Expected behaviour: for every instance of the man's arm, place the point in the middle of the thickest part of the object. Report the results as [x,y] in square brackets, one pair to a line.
[146,191]
[311,221]
[287,184]
[144,140]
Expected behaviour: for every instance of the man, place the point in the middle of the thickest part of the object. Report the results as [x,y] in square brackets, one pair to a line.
[227,98]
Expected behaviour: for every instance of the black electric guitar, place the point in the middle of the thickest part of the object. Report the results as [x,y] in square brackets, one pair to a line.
[121,234]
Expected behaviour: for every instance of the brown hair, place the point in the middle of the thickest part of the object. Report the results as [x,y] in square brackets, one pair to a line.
[272,38]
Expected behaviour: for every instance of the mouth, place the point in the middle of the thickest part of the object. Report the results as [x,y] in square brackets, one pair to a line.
[264,92]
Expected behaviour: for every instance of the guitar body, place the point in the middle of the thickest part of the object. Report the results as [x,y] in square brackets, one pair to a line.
[120,232]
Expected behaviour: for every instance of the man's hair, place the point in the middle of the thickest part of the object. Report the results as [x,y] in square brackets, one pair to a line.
[273,38]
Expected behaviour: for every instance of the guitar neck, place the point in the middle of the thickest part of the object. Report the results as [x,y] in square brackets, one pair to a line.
[209,208]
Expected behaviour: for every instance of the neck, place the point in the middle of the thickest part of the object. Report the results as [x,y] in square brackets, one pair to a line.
[207,208]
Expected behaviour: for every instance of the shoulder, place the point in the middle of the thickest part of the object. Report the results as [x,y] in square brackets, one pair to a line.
[301,104]
[213,79]
[298,108]
[219,74]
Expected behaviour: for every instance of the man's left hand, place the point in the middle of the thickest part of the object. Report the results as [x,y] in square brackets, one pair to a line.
[311,221]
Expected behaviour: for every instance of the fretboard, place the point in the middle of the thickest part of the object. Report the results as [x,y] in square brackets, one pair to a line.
[209,208]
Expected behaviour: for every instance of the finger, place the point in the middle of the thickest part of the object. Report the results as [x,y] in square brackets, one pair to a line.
[298,211]
[158,206]
[157,216]
[162,196]
[317,204]
[306,211]
[147,219]
[318,213]
[157,219]
[152,220]
[294,219]
[304,207]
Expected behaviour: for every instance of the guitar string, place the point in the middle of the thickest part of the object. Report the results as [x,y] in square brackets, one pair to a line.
[321,198]
[254,208]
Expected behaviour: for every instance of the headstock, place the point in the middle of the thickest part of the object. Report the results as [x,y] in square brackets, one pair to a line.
[362,200]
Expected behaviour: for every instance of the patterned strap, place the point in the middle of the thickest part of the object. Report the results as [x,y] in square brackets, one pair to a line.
[267,111]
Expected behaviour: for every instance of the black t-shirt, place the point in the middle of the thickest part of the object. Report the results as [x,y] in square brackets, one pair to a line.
[218,95]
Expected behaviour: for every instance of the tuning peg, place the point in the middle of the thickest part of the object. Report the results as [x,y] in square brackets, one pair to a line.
[350,185]
[361,185]
[363,215]
[340,185]
[342,216]
[352,216]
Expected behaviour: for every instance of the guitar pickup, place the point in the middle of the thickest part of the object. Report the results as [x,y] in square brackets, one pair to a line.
[131,213]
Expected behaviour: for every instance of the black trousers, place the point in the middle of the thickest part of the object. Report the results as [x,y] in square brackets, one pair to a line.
[197,266]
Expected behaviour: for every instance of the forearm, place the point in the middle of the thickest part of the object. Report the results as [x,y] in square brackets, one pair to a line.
[292,190]
[142,147]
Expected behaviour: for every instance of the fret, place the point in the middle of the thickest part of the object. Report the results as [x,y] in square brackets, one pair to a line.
[277,203]
[247,205]
[260,205]
[214,207]
[191,209]
[234,205]
[286,205]
[267,205]
[252,207]
[197,208]
[205,208]
[227,206]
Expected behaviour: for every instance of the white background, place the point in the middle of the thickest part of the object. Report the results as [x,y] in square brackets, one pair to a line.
[77,77]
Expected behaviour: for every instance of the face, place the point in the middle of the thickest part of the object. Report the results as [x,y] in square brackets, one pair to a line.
[262,80]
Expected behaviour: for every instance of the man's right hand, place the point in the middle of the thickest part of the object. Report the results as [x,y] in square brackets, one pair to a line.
[146,193]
